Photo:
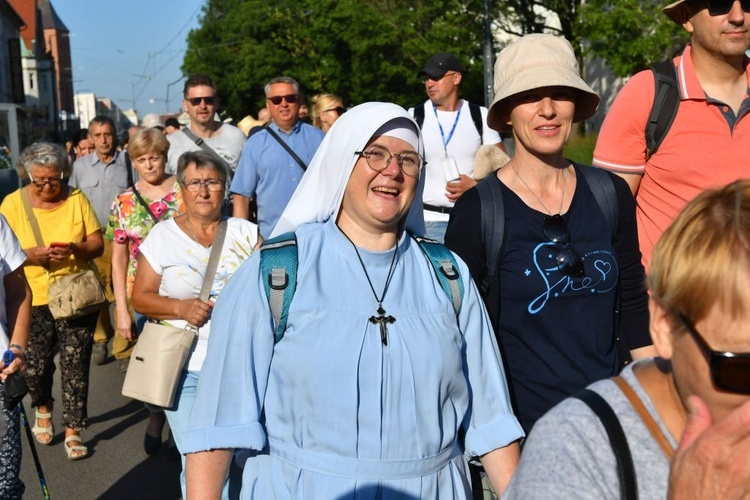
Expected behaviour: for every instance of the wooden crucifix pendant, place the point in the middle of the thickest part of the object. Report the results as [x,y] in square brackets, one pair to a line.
[383,321]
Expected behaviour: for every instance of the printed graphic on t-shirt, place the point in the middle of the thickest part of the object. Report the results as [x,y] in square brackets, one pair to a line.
[600,273]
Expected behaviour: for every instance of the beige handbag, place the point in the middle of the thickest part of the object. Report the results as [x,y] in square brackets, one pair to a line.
[75,295]
[72,295]
[160,355]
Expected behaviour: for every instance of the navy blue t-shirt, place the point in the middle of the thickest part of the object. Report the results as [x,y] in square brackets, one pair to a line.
[556,333]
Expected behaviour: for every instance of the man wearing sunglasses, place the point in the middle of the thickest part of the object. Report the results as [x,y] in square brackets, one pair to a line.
[274,159]
[707,144]
[453,130]
[204,133]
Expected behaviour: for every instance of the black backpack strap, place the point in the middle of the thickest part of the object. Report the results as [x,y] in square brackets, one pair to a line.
[664,108]
[492,220]
[603,189]
[476,117]
[419,115]
[608,418]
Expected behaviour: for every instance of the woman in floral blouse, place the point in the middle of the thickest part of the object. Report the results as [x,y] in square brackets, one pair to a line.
[155,197]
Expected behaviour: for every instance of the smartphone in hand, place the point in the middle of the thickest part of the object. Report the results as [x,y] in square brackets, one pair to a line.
[56,244]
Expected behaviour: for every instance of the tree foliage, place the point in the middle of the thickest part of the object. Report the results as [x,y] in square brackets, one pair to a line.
[630,35]
[360,50]
[367,50]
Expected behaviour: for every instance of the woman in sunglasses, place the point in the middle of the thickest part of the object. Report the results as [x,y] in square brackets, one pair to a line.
[327,108]
[695,393]
[569,253]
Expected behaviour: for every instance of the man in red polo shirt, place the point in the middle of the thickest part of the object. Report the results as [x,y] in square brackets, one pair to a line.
[709,142]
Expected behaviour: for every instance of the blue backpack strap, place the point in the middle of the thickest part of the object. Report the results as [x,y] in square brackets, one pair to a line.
[603,189]
[446,269]
[278,266]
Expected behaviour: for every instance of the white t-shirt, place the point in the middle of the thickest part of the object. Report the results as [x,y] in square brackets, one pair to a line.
[462,146]
[182,263]
[228,144]
[11,258]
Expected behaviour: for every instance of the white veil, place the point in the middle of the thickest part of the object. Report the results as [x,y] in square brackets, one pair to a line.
[319,194]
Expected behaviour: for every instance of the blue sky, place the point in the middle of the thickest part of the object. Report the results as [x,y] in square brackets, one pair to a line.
[130,51]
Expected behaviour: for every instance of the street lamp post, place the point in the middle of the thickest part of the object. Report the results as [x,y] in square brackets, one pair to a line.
[487,55]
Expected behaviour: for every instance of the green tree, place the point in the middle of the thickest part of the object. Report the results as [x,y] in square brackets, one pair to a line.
[361,50]
[630,35]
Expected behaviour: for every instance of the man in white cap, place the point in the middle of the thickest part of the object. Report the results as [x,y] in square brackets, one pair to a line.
[453,130]
[708,143]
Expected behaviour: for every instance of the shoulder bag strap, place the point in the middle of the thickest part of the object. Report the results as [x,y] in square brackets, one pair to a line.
[617,439]
[213,260]
[288,149]
[131,182]
[208,149]
[31,217]
[651,424]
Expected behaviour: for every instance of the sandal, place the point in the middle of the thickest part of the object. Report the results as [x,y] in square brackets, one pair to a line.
[75,452]
[39,431]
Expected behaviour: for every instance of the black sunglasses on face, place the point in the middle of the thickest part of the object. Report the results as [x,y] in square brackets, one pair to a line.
[569,261]
[721,7]
[339,110]
[730,371]
[291,99]
[209,100]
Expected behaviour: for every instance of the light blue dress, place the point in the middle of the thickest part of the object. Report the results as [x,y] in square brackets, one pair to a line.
[332,412]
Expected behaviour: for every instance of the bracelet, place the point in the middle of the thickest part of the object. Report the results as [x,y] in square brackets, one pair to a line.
[19,349]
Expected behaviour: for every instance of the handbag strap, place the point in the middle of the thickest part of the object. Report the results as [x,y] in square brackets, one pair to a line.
[286,146]
[208,149]
[131,182]
[31,217]
[617,439]
[648,420]
[213,260]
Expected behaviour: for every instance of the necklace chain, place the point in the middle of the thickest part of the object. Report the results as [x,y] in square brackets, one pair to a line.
[562,198]
[369,281]
[187,223]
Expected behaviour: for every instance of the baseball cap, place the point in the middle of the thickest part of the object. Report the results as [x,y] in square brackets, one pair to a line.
[439,64]
[152,120]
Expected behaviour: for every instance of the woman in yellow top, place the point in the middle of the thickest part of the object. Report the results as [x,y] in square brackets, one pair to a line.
[71,237]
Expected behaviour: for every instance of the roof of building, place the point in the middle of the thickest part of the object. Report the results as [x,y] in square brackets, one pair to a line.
[50,19]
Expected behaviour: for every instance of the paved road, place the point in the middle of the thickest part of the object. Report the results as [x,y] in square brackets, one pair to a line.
[117,467]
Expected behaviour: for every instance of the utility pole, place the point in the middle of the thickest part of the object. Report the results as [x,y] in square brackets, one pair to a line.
[487,56]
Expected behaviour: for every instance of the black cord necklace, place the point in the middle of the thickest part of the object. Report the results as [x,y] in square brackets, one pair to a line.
[381,319]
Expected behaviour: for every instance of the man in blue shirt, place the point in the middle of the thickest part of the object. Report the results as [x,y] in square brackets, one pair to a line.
[267,171]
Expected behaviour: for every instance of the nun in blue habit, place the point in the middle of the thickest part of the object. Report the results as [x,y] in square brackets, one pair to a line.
[378,389]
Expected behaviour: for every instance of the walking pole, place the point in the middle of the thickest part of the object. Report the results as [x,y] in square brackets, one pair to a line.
[38,464]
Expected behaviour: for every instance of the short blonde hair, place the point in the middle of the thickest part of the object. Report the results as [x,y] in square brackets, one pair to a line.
[703,258]
[148,140]
[322,102]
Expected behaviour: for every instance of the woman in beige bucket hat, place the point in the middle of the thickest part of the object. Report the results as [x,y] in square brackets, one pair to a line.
[563,262]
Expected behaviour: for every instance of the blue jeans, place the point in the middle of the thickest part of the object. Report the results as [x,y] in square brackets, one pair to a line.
[435,230]
[178,417]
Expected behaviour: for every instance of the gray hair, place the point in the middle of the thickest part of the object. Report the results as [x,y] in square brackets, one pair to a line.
[200,160]
[282,79]
[43,154]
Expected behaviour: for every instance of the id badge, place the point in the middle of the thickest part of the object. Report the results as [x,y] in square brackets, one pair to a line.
[450,169]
